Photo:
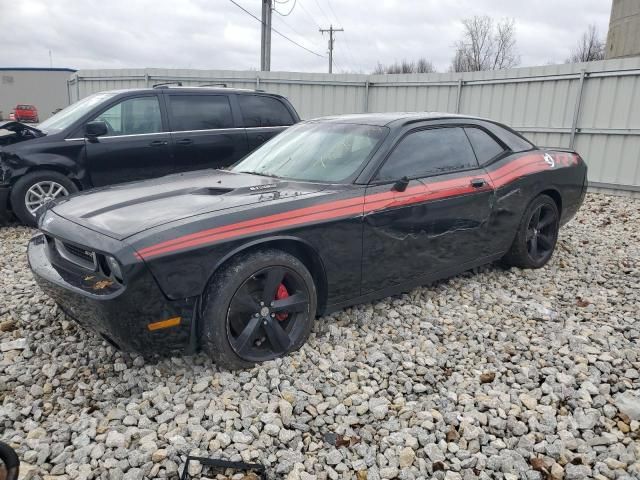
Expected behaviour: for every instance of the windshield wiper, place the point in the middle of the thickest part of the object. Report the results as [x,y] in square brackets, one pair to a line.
[259,174]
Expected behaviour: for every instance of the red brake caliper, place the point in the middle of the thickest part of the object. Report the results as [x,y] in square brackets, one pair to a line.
[280,294]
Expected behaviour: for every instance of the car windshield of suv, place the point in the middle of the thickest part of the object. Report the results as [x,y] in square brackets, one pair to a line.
[67,116]
[315,152]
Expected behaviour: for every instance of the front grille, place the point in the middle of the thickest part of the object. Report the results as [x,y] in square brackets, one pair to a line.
[79,252]
[77,255]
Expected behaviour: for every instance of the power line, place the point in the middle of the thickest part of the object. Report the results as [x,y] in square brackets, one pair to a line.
[308,14]
[285,14]
[322,10]
[276,31]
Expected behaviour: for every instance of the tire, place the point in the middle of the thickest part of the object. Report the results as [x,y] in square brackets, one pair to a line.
[30,180]
[235,330]
[521,254]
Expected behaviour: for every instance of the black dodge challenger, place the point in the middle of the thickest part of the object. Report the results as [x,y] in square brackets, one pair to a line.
[330,213]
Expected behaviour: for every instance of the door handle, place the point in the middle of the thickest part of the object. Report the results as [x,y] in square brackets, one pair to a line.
[184,141]
[478,182]
[158,143]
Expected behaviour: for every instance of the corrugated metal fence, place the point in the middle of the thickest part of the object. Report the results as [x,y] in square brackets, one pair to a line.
[593,107]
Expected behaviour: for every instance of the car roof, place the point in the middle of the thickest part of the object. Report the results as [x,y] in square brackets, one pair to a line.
[202,89]
[390,118]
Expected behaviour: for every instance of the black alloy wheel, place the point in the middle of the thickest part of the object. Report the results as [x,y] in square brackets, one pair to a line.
[537,234]
[542,233]
[259,306]
[261,320]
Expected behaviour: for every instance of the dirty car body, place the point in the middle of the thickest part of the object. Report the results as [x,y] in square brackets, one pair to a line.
[375,231]
[127,135]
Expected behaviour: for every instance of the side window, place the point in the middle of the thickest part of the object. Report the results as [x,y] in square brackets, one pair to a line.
[485,147]
[429,152]
[261,111]
[133,116]
[199,112]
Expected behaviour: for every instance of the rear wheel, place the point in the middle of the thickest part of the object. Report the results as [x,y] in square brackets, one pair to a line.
[537,235]
[34,190]
[259,307]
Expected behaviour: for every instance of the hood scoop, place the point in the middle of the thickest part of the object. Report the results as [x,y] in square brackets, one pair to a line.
[211,191]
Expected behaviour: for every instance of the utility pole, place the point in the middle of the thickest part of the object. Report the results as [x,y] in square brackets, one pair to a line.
[265,44]
[331,31]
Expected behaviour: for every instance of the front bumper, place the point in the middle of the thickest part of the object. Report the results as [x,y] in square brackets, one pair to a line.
[120,314]
[5,214]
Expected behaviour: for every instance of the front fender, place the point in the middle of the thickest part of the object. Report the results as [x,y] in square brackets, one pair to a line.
[186,274]
[63,158]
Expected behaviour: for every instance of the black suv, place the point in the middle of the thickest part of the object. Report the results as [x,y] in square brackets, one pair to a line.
[125,135]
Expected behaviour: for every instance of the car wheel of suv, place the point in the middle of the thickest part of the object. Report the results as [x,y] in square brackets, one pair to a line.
[259,307]
[34,190]
[537,234]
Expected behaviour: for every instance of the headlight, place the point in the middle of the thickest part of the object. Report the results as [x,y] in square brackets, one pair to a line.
[114,267]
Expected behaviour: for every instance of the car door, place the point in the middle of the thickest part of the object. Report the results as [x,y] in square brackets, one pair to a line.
[203,131]
[427,209]
[263,117]
[136,146]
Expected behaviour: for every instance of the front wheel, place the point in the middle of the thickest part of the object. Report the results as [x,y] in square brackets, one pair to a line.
[537,235]
[259,307]
[34,190]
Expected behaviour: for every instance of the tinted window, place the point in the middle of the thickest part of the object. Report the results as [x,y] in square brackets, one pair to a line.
[133,116]
[515,141]
[199,112]
[485,147]
[259,111]
[429,152]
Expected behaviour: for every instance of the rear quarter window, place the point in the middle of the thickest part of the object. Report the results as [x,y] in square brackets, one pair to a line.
[484,146]
[262,111]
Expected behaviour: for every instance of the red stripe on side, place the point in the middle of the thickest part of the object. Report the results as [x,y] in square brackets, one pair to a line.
[256,221]
[351,206]
[328,215]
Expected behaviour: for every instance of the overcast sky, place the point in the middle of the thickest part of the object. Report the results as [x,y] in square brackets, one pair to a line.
[215,34]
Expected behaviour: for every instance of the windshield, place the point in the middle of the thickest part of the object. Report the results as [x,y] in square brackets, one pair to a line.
[315,152]
[67,116]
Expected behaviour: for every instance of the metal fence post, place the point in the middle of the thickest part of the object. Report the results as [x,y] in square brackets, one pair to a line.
[459,96]
[257,82]
[576,110]
[366,96]
[146,78]
[77,87]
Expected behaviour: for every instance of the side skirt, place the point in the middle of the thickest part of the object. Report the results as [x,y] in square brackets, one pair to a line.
[413,283]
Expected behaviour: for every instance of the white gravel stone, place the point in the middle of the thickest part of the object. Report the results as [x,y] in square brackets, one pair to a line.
[390,388]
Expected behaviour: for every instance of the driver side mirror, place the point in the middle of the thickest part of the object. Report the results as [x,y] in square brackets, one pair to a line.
[95,129]
[401,185]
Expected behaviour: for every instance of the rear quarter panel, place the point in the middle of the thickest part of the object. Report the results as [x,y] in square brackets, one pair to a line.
[520,178]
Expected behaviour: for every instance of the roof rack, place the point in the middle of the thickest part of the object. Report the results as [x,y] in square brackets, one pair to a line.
[223,85]
[166,84]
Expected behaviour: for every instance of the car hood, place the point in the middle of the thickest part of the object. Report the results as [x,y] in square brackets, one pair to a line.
[120,211]
[12,132]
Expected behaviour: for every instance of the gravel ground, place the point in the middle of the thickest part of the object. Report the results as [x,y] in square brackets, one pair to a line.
[498,374]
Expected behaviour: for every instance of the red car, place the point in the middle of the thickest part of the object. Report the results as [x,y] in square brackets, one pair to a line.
[26,113]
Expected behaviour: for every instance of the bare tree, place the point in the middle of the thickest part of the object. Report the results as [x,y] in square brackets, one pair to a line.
[485,45]
[421,66]
[590,47]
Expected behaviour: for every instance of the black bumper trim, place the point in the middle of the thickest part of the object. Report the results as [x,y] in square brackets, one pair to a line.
[121,315]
